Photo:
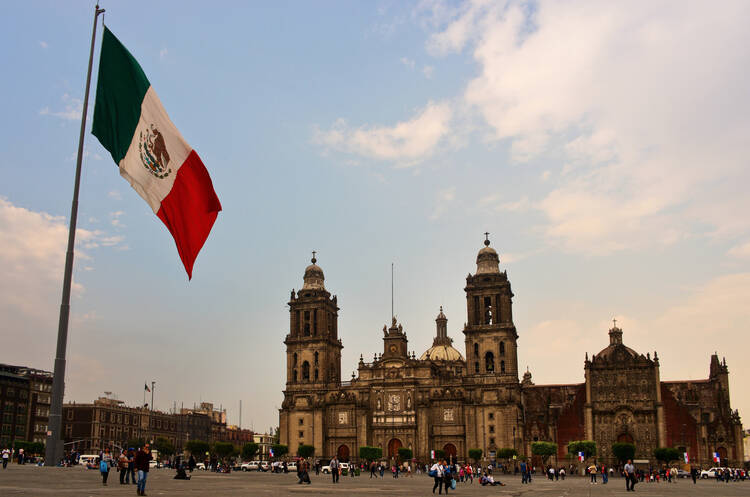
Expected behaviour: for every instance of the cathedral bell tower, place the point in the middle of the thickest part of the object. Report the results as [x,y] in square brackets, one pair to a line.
[313,348]
[489,330]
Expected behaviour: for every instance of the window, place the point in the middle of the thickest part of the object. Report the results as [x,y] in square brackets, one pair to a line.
[23,394]
[487,310]
[476,310]
[476,349]
[502,348]
[301,435]
[70,414]
[296,322]
[68,431]
[315,322]
[127,419]
[316,374]
[476,366]
[294,376]
[491,415]
[294,359]
[307,324]
[502,366]
[10,392]
[316,357]
[492,440]
[305,371]
[301,421]
[489,362]
[492,429]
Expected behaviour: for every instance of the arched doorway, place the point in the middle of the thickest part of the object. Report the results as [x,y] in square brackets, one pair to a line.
[625,438]
[722,451]
[393,447]
[450,453]
[343,453]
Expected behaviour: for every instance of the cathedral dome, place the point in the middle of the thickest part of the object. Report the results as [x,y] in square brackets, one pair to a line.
[442,353]
[487,259]
[313,276]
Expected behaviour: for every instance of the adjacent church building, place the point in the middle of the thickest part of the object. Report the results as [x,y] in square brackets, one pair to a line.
[455,402]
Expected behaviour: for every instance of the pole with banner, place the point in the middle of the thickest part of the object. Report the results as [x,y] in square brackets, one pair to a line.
[54,449]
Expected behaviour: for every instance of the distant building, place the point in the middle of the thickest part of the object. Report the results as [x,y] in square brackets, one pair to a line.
[237,435]
[443,400]
[218,418]
[109,423]
[24,404]
[264,441]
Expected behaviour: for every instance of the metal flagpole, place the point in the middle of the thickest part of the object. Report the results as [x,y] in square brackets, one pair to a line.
[54,449]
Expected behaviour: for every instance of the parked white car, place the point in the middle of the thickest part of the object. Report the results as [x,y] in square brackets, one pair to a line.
[327,469]
[250,466]
[292,466]
[200,465]
[710,473]
[264,466]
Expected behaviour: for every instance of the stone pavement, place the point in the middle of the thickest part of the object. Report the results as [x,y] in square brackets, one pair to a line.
[80,482]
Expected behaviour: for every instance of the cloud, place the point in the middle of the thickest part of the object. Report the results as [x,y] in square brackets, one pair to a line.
[741,251]
[115,194]
[648,121]
[407,62]
[407,142]
[73,107]
[114,219]
[43,44]
[443,202]
[428,71]
[163,53]
[496,203]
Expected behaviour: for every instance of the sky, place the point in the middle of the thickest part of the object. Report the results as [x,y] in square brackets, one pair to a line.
[603,145]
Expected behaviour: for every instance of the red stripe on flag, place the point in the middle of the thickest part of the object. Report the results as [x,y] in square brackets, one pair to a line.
[190,209]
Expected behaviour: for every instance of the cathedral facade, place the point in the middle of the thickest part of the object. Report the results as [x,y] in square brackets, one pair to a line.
[453,402]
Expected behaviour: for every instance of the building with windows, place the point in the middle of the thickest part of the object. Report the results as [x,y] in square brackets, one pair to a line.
[109,423]
[24,404]
[454,402]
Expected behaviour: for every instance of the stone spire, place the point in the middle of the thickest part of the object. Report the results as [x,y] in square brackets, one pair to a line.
[615,334]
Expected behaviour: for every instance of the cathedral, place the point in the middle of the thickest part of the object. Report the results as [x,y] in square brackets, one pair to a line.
[455,402]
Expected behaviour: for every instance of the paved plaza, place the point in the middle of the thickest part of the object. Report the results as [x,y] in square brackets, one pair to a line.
[36,481]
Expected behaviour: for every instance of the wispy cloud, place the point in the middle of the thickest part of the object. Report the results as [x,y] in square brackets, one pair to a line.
[114,219]
[428,71]
[114,194]
[407,62]
[406,142]
[72,109]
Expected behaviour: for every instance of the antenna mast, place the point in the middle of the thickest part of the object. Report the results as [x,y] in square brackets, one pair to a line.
[393,315]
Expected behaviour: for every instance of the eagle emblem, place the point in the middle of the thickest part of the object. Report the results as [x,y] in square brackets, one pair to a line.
[153,152]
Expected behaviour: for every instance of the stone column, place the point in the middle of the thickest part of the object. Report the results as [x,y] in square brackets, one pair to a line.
[588,414]
[661,425]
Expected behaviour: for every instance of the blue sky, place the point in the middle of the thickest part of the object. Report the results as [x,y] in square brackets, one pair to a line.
[604,147]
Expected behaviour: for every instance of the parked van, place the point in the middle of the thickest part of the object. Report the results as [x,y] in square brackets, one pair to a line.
[88,458]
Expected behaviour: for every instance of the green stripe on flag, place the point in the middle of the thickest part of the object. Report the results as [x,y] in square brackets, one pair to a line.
[119,92]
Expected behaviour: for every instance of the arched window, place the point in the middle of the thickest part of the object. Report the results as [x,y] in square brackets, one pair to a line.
[502,366]
[316,357]
[476,366]
[476,349]
[316,374]
[489,362]
[294,359]
[305,371]
[502,348]
[294,376]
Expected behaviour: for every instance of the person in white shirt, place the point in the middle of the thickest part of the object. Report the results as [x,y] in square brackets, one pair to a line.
[437,471]
[6,457]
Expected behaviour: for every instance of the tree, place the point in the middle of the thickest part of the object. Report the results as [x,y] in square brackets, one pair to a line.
[666,454]
[588,447]
[623,451]
[306,451]
[224,449]
[279,450]
[197,447]
[164,446]
[475,454]
[439,454]
[370,453]
[404,453]
[249,450]
[543,449]
[506,453]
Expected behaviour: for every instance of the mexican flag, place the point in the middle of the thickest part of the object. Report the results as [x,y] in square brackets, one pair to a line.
[130,122]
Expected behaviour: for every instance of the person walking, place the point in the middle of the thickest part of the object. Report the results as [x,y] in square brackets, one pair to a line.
[122,466]
[523,471]
[447,476]
[141,461]
[629,476]
[334,464]
[104,464]
[130,475]
[436,471]
[6,457]
[694,474]
[605,476]
[592,473]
